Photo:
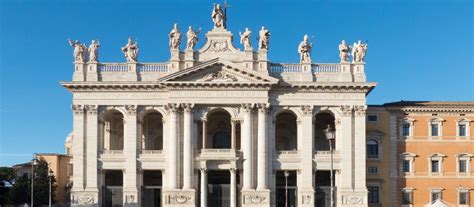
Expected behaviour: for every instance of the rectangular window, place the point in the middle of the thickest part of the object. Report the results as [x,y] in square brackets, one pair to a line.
[406,166]
[372,170]
[434,165]
[373,196]
[406,198]
[435,196]
[462,166]
[434,130]
[406,129]
[462,130]
[372,118]
[463,198]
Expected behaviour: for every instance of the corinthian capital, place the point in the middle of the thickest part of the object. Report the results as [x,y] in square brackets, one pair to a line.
[131,109]
[187,107]
[172,107]
[91,109]
[263,107]
[78,109]
[247,107]
[307,110]
[346,110]
[360,110]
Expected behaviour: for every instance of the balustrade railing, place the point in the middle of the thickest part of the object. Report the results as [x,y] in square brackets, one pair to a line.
[152,68]
[287,152]
[284,67]
[217,150]
[112,151]
[147,152]
[326,68]
[113,67]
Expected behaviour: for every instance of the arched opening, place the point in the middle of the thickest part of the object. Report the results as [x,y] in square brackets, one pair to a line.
[219,130]
[286,132]
[323,120]
[152,131]
[372,149]
[113,130]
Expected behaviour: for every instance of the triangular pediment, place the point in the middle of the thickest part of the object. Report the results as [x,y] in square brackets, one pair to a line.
[218,71]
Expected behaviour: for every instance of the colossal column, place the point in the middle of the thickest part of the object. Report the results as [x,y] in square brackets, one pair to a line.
[247,146]
[344,136]
[130,190]
[360,188]
[188,147]
[173,146]
[91,149]
[78,146]
[262,147]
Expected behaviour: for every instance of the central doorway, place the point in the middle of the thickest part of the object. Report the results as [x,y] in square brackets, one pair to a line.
[218,188]
[286,188]
[113,189]
[151,189]
[323,188]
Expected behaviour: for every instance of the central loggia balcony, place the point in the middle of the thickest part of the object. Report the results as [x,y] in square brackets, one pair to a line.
[323,158]
[218,154]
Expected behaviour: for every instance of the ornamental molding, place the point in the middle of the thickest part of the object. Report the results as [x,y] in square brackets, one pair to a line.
[218,46]
[172,107]
[131,109]
[360,110]
[247,107]
[218,76]
[254,199]
[91,109]
[445,109]
[83,199]
[130,199]
[346,110]
[187,107]
[307,110]
[179,199]
[263,108]
[353,199]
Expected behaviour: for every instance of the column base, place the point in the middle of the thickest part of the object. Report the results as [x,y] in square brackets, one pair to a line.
[255,198]
[306,198]
[352,198]
[85,198]
[130,198]
[182,198]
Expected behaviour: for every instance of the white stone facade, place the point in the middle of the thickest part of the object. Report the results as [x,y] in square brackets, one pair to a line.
[193,95]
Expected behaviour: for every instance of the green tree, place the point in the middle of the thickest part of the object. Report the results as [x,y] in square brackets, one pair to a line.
[20,191]
[41,183]
[7,179]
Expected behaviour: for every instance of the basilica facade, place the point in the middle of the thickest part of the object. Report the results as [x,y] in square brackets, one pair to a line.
[218,125]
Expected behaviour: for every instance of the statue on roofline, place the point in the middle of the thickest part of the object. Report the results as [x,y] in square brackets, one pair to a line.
[130,50]
[192,38]
[175,38]
[218,16]
[264,38]
[79,52]
[344,52]
[305,50]
[358,52]
[245,39]
[94,51]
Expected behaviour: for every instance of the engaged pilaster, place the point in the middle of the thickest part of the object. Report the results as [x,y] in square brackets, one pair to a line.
[247,148]
[305,187]
[262,140]
[188,147]
[91,148]
[78,146]
[172,146]
[130,192]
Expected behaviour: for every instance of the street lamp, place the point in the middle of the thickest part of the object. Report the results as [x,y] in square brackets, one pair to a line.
[34,162]
[330,136]
[286,187]
[50,174]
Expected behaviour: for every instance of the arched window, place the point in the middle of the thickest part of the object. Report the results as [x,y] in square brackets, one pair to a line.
[322,120]
[286,132]
[221,140]
[372,149]
[152,131]
[113,132]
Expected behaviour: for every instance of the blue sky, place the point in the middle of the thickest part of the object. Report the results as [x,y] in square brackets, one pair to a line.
[418,50]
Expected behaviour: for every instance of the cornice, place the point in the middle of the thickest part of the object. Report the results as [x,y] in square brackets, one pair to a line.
[466,109]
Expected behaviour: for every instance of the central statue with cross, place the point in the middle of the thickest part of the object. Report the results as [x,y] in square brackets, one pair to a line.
[219,16]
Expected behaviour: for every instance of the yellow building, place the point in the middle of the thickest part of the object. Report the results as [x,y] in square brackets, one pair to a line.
[431,153]
[61,166]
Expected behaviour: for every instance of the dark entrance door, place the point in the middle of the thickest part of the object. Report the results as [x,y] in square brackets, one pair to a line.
[323,188]
[112,192]
[218,189]
[151,190]
[286,189]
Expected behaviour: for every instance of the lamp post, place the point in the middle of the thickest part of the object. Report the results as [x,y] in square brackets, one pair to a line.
[50,174]
[330,136]
[34,161]
[286,188]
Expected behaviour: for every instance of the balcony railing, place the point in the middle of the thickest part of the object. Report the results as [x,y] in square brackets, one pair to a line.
[325,68]
[152,68]
[113,68]
[151,152]
[112,152]
[297,68]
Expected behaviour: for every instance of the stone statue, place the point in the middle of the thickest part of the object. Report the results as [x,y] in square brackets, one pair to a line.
[344,51]
[264,37]
[192,37]
[245,39]
[79,53]
[130,50]
[175,38]
[218,17]
[94,51]
[305,50]
[358,52]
